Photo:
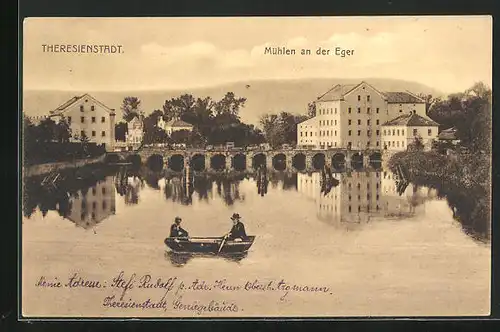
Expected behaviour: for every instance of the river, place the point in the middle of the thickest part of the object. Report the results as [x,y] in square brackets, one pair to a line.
[380,252]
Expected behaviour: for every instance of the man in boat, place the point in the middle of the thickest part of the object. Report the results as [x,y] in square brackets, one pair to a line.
[176,230]
[238,230]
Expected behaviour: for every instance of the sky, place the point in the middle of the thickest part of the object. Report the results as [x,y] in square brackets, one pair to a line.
[445,53]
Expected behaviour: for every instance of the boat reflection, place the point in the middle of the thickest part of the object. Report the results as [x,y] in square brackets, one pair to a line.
[181,259]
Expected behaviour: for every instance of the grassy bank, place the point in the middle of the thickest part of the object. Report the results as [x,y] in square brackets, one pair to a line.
[464,180]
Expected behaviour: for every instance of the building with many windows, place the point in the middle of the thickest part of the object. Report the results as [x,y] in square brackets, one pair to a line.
[398,133]
[135,130]
[88,117]
[351,116]
[307,133]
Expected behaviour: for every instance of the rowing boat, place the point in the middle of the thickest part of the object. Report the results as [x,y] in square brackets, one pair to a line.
[212,245]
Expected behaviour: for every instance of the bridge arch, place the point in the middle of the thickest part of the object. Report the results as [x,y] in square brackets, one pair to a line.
[155,162]
[239,162]
[112,158]
[259,160]
[279,162]
[135,159]
[318,161]
[197,162]
[338,160]
[176,162]
[357,160]
[376,160]
[218,162]
[299,161]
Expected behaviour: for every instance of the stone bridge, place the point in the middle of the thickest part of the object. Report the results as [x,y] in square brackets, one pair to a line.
[200,159]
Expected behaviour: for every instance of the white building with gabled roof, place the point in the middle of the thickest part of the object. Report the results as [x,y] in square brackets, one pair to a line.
[88,117]
[175,124]
[351,115]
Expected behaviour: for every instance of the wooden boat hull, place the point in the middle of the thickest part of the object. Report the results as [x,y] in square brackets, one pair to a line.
[208,245]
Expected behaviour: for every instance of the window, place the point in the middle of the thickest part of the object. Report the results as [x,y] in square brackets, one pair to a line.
[335,122]
[92,108]
[393,132]
[368,133]
[81,108]
[82,119]
[335,133]
[397,143]
[415,132]
[367,122]
[104,205]
[93,119]
[393,144]
[368,110]
[378,121]
[93,192]
[103,133]
[103,119]
[359,122]
[306,133]
[349,197]
[300,134]
[335,110]
[349,208]
[311,134]
[378,143]
[402,132]
[359,132]
[94,205]
[384,132]
[93,133]
[377,110]
[359,98]
[359,109]
[69,120]
[349,133]
[368,98]
[429,132]
[398,132]
[349,122]
[82,133]
[378,132]
[400,111]
[403,144]
[349,110]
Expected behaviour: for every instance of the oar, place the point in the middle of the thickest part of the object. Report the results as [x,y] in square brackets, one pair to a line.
[222,244]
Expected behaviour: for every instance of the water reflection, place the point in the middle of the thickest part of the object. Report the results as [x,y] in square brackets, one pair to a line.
[181,259]
[340,199]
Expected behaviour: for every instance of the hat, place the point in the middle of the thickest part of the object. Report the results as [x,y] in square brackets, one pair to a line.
[178,219]
[235,216]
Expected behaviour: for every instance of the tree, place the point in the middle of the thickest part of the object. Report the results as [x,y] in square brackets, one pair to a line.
[130,108]
[311,110]
[121,131]
[180,136]
[416,145]
[46,130]
[175,108]
[62,131]
[152,133]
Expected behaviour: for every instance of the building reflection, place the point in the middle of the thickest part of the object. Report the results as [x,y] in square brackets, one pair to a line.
[90,206]
[360,196]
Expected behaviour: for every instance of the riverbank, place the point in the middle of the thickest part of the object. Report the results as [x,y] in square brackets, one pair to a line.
[464,180]
[40,169]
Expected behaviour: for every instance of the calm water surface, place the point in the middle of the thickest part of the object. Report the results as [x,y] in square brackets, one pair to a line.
[380,251]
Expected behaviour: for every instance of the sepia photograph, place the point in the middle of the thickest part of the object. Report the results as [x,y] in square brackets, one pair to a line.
[256,167]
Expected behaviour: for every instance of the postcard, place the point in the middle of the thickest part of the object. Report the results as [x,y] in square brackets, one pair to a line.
[246,167]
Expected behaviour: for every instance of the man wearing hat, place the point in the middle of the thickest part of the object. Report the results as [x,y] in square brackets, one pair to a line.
[176,230]
[238,230]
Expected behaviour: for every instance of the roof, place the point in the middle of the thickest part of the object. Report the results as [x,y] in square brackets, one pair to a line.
[178,123]
[337,92]
[402,98]
[411,120]
[448,134]
[64,107]
[306,121]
